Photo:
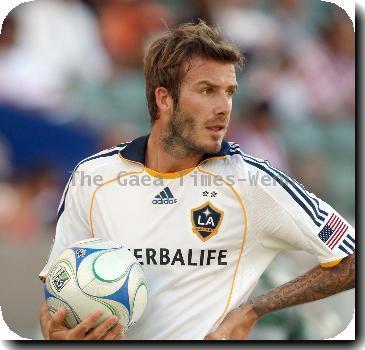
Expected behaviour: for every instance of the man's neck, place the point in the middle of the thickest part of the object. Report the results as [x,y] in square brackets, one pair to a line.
[160,160]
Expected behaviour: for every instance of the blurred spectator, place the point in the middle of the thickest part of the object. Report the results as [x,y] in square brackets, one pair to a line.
[45,53]
[192,10]
[315,181]
[312,78]
[63,45]
[23,79]
[249,27]
[297,19]
[8,34]
[256,134]
[327,69]
[94,5]
[291,15]
[288,95]
[125,27]
[201,9]
[27,204]
[116,134]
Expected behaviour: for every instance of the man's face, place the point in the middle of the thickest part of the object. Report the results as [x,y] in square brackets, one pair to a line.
[200,121]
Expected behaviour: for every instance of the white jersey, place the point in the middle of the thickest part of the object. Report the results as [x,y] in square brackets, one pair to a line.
[203,236]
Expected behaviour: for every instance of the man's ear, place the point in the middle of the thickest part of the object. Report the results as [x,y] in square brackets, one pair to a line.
[164,101]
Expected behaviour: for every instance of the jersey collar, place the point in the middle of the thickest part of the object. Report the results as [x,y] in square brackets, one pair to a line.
[135,150]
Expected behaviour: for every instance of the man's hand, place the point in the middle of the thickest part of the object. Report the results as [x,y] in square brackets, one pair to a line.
[53,328]
[237,325]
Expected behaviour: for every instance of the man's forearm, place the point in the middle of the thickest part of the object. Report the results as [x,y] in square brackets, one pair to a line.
[315,284]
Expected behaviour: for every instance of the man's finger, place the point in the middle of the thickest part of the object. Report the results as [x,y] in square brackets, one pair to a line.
[44,307]
[215,336]
[209,336]
[57,318]
[115,333]
[102,328]
[89,322]
[45,315]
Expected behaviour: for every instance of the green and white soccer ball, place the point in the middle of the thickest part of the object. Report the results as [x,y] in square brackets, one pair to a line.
[97,274]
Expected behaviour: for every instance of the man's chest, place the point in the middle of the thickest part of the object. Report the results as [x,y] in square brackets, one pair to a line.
[194,220]
[185,235]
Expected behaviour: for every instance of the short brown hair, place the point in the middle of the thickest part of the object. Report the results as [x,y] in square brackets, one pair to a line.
[165,56]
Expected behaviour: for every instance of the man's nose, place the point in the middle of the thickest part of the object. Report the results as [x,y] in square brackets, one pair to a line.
[223,104]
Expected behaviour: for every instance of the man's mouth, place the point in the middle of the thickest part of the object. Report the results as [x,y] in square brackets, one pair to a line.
[216,128]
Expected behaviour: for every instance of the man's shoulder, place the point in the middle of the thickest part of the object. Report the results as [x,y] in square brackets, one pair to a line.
[237,161]
[231,160]
[104,161]
[236,152]
[237,156]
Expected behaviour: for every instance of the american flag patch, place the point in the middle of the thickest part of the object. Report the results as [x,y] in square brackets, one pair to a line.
[333,231]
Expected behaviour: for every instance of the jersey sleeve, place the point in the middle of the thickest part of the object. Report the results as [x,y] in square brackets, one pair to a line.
[72,224]
[296,219]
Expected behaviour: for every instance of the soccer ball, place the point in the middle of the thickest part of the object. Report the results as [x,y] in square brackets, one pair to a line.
[97,274]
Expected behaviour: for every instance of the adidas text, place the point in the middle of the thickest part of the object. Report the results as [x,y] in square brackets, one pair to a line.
[164,201]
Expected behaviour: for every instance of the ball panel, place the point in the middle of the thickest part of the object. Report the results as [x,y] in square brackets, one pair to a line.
[139,304]
[113,264]
[118,309]
[85,273]
[103,289]
[136,278]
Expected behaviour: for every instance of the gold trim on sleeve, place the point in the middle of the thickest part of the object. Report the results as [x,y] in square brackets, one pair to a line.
[330,263]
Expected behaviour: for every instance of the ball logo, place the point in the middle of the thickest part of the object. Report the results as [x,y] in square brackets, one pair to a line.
[80,253]
[61,279]
[206,220]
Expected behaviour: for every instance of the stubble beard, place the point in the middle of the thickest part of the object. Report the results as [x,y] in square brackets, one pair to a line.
[179,143]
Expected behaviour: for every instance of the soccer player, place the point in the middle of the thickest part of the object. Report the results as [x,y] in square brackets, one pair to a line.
[183,200]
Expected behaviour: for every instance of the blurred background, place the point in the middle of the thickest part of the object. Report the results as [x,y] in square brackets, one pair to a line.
[71,84]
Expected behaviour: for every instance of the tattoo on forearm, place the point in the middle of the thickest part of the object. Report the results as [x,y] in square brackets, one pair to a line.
[315,284]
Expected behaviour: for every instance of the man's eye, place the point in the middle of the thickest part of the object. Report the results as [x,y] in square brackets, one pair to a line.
[230,92]
[206,91]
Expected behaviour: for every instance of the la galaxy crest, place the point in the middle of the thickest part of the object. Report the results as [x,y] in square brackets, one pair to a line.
[206,220]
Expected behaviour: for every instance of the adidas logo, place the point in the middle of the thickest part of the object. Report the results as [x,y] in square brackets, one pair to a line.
[165,197]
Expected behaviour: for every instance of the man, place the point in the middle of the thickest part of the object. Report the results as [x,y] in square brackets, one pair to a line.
[203,232]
